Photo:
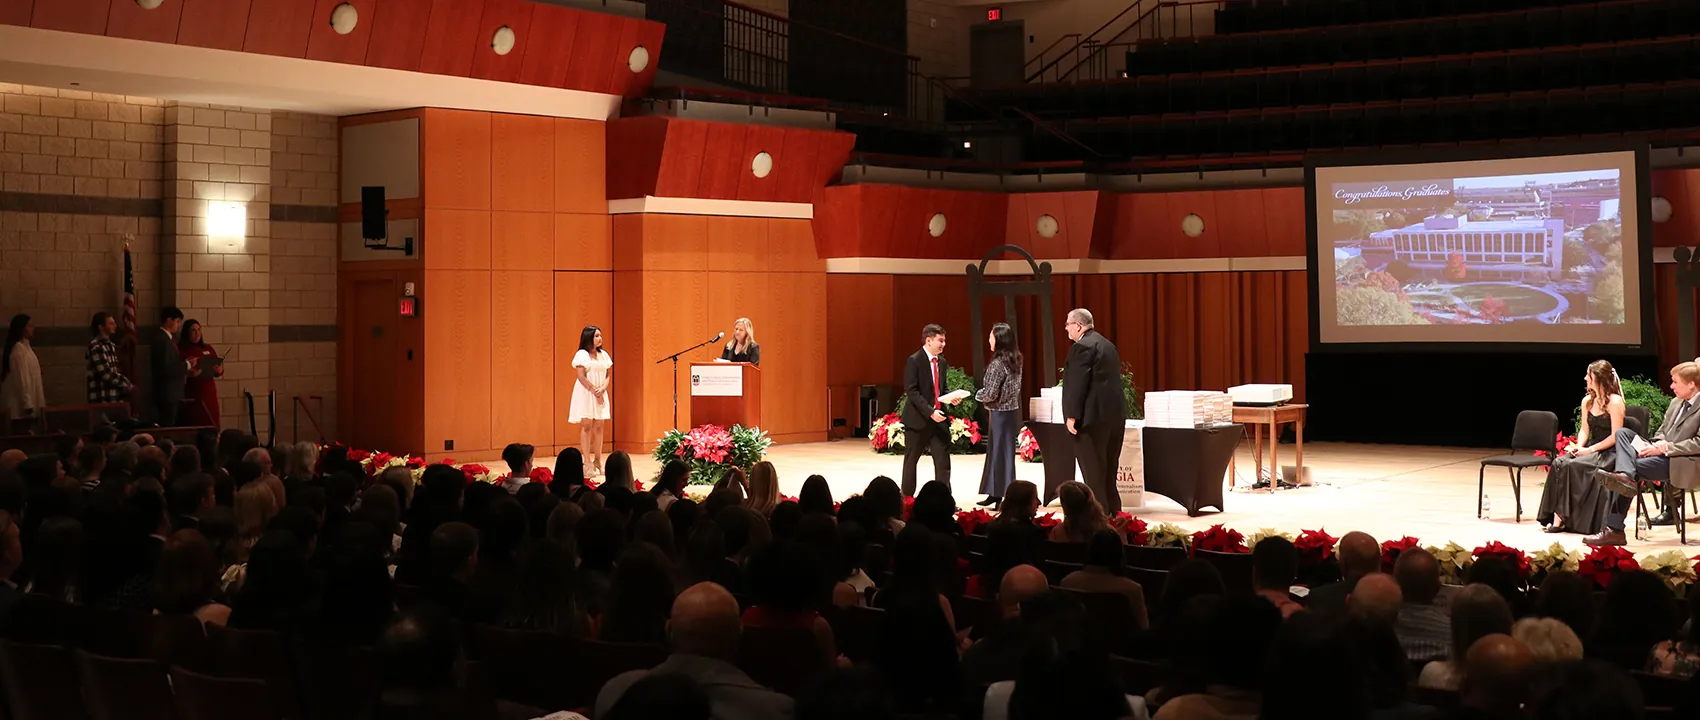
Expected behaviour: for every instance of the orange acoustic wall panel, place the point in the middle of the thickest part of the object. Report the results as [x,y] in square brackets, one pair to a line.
[516,16]
[522,357]
[582,299]
[80,16]
[522,158]
[1072,219]
[680,279]
[522,241]
[457,160]
[584,242]
[456,239]
[458,362]
[580,154]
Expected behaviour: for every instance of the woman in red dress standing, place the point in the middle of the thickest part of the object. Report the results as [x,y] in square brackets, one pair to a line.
[200,394]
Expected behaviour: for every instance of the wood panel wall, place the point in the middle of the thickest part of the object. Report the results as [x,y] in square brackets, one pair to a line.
[679,279]
[516,246]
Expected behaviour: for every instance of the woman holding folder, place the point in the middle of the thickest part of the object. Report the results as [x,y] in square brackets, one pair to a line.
[200,391]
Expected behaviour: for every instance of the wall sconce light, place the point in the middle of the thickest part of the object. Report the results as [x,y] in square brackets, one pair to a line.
[227,221]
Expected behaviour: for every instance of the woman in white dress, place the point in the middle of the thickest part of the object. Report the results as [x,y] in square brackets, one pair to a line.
[591,401]
[21,396]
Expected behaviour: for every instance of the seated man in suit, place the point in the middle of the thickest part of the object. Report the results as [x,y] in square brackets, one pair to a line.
[1673,456]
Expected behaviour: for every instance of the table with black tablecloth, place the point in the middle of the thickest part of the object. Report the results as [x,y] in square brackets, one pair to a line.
[1186,465]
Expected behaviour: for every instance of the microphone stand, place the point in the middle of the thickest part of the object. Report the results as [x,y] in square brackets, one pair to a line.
[675,358]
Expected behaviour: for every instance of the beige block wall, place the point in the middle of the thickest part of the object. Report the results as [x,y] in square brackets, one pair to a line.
[81,172]
[938,35]
[61,268]
[304,269]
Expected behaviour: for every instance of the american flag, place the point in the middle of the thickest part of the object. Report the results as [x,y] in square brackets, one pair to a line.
[127,346]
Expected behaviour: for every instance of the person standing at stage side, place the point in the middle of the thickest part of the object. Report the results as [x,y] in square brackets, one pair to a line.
[170,370]
[106,382]
[22,397]
[925,427]
[1000,392]
[1678,436]
[199,393]
[1094,407]
[1572,501]
[591,401]
[742,347]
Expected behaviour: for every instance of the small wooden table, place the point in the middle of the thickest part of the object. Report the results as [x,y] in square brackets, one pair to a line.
[1273,416]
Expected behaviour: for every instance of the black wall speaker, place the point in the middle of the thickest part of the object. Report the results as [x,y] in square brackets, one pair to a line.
[373,216]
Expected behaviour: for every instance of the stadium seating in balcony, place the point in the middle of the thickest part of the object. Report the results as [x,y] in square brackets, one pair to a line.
[1605,21]
[1240,16]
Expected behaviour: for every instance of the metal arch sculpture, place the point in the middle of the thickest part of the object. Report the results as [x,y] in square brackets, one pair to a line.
[1687,278]
[979,286]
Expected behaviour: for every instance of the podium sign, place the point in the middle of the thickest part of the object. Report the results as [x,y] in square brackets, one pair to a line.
[718,380]
[1130,470]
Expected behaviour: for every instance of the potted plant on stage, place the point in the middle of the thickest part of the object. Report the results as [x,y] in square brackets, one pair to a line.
[711,450]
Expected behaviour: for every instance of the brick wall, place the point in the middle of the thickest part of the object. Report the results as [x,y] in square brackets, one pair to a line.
[304,266]
[81,172]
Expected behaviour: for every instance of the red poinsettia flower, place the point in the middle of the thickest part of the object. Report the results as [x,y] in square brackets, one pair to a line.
[1604,563]
[1501,550]
[1390,550]
[542,475]
[473,470]
[415,462]
[1315,546]
[972,520]
[637,485]
[377,462]
[973,432]
[359,455]
[1219,539]
[908,507]
[707,442]
[1048,521]
[1133,527]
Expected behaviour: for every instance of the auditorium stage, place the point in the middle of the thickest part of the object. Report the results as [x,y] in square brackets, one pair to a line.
[1385,490]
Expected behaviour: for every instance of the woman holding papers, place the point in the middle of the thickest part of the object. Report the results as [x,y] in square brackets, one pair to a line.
[1000,392]
[591,401]
[200,391]
[743,347]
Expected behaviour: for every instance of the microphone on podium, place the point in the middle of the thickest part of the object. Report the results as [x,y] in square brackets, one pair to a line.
[721,335]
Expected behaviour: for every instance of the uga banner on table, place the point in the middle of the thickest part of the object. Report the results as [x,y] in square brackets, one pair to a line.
[717,380]
[1130,470]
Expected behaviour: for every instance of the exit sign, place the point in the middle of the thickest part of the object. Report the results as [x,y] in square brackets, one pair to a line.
[993,14]
[409,307]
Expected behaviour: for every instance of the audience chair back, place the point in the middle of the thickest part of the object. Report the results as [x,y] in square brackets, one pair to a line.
[1141,676]
[856,630]
[257,655]
[1150,581]
[338,683]
[526,667]
[1153,558]
[1110,616]
[124,688]
[204,697]
[40,682]
[1234,567]
[41,620]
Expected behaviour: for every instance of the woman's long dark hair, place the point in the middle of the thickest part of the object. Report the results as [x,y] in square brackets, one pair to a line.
[1004,348]
[587,339]
[14,335]
[186,332]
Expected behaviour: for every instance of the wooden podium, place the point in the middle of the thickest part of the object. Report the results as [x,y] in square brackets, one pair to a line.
[725,394]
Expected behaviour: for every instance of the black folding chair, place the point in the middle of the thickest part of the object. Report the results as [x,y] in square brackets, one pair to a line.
[1536,430]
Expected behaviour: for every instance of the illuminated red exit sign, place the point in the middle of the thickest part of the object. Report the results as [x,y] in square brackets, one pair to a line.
[409,307]
[994,14]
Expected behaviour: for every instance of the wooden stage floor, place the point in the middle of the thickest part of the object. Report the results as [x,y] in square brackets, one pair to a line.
[1387,491]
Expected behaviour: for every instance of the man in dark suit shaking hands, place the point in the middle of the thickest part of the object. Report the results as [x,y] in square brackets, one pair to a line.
[926,429]
[1094,407]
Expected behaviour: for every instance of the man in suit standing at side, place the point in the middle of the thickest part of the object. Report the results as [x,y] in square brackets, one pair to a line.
[1094,407]
[926,429]
[168,368]
[1673,457]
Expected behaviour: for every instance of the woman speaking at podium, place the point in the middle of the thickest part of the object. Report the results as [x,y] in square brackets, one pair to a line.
[742,347]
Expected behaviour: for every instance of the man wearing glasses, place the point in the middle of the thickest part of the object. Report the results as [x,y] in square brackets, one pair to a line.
[1094,407]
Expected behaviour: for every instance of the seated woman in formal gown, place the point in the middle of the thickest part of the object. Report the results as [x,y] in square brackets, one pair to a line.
[1572,500]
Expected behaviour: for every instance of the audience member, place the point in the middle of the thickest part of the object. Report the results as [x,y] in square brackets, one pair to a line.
[1568,598]
[454,561]
[545,598]
[703,634]
[684,514]
[358,598]
[1477,612]
[764,488]
[419,655]
[617,472]
[1587,690]
[816,496]
[1065,673]
[56,559]
[191,495]
[670,485]
[1502,574]
[1240,630]
[783,520]
[1082,515]
[818,533]
[1359,556]
[1313,670]
[846,694]
[1497,673]
[656,529]
[1024,604]
[639,597]
[277,586]
[568,483]
[1274,568]
[886,507]
[663,697]
[518,457]
[599,538]
[1375,601]
[1638,614]
[187,583]
[1424,627]
[1680,657]
[790,587]
[935,508]
[1551,641]
[852,551]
